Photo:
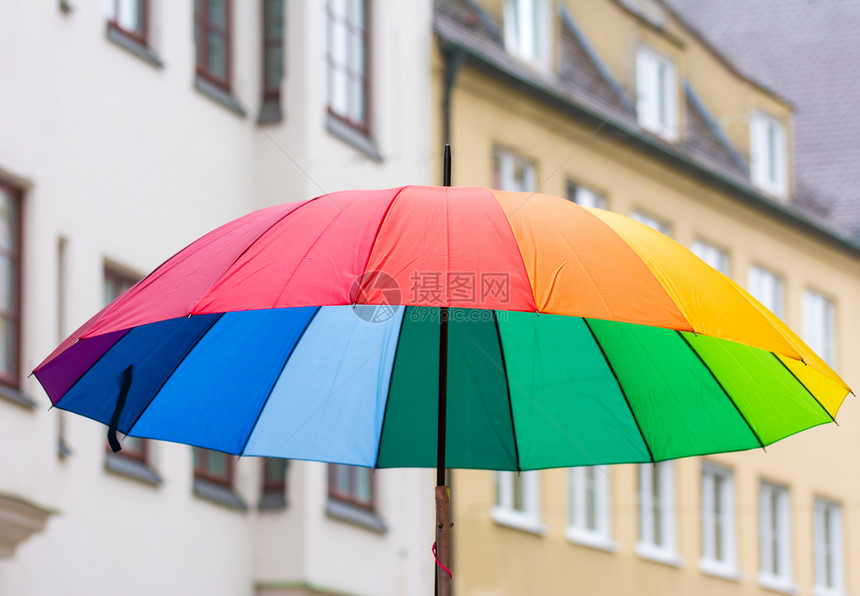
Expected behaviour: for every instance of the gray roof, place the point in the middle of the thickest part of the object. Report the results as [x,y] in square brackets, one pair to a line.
[582,79]
[806,51]
[584,88]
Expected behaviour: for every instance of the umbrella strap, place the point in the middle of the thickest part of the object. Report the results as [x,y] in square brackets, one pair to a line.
[120,404]
[439,563]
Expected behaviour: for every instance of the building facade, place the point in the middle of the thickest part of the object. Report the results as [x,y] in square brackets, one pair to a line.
[130,128]
[622,104]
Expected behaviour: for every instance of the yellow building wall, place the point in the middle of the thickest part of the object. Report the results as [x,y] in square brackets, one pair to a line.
[492,559]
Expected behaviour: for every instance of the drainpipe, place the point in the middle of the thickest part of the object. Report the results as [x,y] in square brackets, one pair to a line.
[453,57]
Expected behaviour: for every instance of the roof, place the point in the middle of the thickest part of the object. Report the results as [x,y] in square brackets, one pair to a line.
[807,51]
[581,78]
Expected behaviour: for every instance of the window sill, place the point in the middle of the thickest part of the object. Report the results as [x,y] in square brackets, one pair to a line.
[517,521]
[131,468]
[220,495]
[220,96]
[590,539]
[777,192]
[135,47]
[351,136]
[666,135]
[270,112]
[720,569]
[357,516]
[272,501]
[827,591]
[777,584]
[16,397]
[658,555]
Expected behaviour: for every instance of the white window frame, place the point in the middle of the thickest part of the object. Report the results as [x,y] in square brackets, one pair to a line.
[717,478]
[819,325]
[713,255]
[528,31]
[582,195]
[646,547]
[829,549]
[504,512]
[657,93]
[775,574]
[593,479]
[653,222]
[767,287]
[507,163]
[124,12]
[768,154]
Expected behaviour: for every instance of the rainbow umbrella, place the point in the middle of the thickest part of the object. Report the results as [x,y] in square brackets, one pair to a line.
[568,336]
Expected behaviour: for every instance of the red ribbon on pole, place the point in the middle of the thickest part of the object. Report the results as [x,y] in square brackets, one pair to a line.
[439,563]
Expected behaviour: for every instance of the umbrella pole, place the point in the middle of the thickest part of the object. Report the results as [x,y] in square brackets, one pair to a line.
[443,492]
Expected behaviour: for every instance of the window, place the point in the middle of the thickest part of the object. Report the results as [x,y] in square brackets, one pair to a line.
[518,501]
[348,62]
[768,155]
[819,325]
[352,485]
[656,93]
[512,173]
[712,255]
[129,17]
[212,32]
[213,466]
[652,222]
[115,283]
[775,535]
[273,59]
[527,30]
[590,507]
[585,196]
[719,550]
[10,285]
[274,495]
[766,287]
[829,562]
[657,512]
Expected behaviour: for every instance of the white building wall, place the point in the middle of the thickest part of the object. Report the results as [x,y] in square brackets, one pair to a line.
[129,163]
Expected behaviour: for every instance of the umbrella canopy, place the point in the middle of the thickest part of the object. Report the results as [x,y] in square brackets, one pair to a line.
[311,331]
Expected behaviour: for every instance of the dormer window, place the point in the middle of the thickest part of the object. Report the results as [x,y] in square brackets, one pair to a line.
[528,31]
[657,93]
[768,155]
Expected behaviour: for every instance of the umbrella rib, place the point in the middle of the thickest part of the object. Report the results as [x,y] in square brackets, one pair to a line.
[220,277]
[620,388]
[508,389]
[167,378]
[723,389]
[829,415]
[275,382]
[91,366]
[376,237]
[388,393]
